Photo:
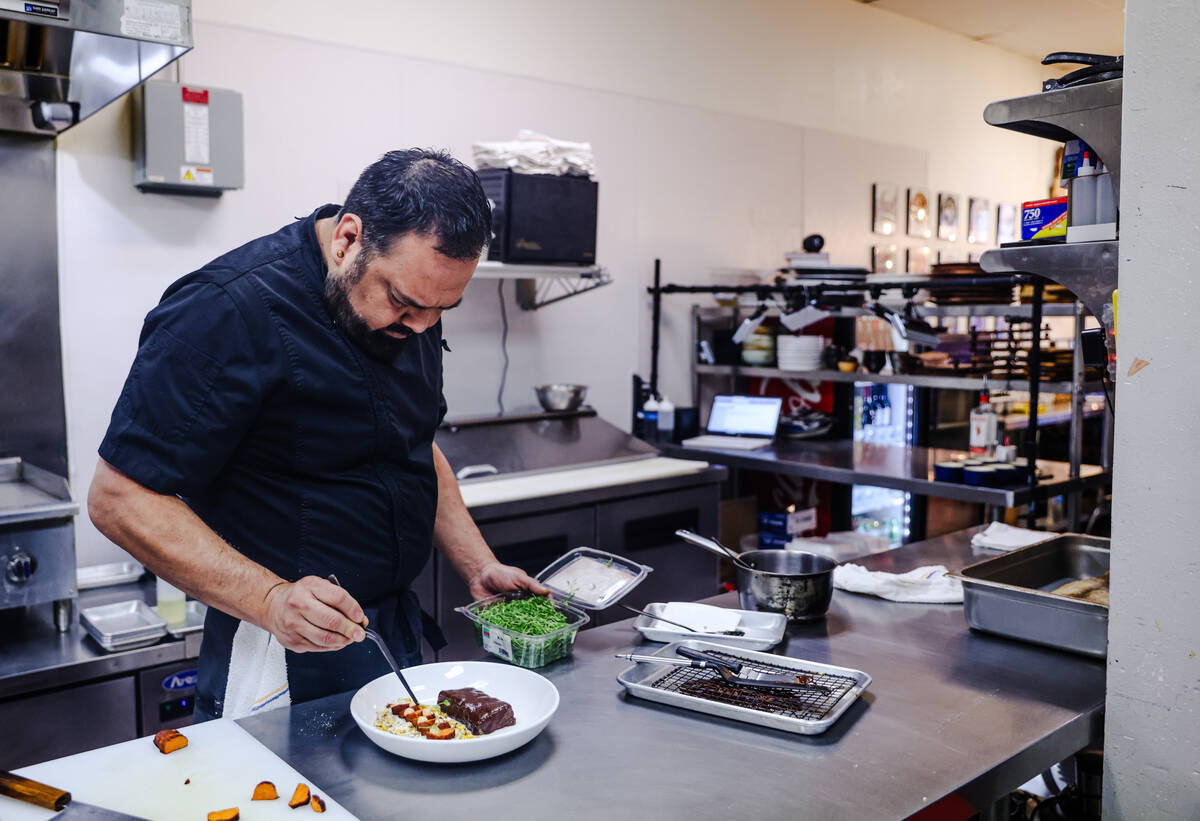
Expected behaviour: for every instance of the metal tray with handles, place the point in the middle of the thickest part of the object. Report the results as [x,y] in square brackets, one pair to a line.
[1009,595]
[834,690]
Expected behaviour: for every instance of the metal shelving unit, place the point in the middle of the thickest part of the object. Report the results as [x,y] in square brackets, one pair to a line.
[961,383]
[1087,269]
[1091,113]
[542,285]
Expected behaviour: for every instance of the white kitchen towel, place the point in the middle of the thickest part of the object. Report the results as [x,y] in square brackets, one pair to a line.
[257,673]
[999,536]
[925,585]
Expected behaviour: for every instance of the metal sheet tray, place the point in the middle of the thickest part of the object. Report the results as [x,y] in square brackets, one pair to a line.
[193,619]
[647,681]
[105,575]
[763,630]
[1009,594]
[123,625]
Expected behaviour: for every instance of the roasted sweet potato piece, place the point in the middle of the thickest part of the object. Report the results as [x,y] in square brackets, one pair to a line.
[230,814]
[168,741]
[318,804]
[300,796]
[440,733]
[425,720]
[264,791]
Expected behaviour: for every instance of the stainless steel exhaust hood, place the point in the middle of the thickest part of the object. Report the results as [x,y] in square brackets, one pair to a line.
[63,60]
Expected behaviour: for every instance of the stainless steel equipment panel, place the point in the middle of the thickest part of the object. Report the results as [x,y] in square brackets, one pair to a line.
[68,721]
[37,563]
[166,696]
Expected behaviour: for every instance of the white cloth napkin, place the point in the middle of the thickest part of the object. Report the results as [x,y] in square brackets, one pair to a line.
[999,536]
[257,673]
[927,585]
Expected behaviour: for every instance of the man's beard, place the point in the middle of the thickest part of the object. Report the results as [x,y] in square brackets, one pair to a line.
[376,343]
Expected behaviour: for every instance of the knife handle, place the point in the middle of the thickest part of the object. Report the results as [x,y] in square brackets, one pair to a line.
[34,792]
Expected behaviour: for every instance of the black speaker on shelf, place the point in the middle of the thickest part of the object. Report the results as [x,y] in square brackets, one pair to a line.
[541,218]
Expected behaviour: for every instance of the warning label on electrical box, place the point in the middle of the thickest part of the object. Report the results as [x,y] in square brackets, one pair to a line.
[195,126]
[195,175]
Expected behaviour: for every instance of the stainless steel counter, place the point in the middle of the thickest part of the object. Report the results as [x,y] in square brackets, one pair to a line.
[34,656]
[949,711]
[900,468]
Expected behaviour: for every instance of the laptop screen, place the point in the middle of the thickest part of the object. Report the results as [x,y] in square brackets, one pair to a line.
[747,415]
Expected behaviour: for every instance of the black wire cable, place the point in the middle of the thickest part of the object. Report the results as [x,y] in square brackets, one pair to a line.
[503,346]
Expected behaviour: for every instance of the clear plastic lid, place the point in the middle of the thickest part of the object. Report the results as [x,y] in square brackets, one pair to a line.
[592,579]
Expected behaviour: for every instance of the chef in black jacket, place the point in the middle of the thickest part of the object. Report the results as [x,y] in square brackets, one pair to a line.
[277,426]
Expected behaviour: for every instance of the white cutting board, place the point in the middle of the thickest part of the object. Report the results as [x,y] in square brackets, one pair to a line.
[495,491]
[223,761]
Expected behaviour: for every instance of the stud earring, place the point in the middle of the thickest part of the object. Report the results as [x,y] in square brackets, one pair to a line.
[341,254]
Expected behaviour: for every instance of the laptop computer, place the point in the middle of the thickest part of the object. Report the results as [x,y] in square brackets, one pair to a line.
[739,423]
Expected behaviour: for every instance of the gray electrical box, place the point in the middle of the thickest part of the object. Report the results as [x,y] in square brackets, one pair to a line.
[187,139]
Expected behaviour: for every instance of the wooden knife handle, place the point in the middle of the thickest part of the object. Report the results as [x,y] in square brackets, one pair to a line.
[35,792]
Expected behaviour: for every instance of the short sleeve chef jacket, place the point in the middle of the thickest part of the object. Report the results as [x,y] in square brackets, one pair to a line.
[305,454]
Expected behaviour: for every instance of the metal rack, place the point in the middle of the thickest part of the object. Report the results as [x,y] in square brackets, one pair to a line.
[913,478]
[542,285]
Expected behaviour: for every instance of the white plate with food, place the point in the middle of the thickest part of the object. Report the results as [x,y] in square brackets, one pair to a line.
[761,631]
[467,711]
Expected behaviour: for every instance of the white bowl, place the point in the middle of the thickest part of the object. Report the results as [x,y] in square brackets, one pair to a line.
[533,698]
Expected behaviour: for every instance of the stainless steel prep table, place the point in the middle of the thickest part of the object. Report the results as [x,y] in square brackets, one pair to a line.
[949,711]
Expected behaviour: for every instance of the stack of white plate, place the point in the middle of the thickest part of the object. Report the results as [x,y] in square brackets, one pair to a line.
[799,353]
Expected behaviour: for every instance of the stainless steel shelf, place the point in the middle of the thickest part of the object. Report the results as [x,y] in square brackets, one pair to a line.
[1091,113]
[1017,311]
[961,383]
[542,285]
[1087,269]
[893,466]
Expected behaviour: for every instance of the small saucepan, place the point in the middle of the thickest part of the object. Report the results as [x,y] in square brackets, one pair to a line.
[797,584]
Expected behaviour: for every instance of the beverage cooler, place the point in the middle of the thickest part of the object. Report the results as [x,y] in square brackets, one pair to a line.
[883,414]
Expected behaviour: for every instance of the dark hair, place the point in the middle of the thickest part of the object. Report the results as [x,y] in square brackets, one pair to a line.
[423,191]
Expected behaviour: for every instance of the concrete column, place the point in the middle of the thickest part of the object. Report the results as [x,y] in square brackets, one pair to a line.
[1152,732]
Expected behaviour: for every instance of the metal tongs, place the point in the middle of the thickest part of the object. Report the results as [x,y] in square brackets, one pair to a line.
[733,672]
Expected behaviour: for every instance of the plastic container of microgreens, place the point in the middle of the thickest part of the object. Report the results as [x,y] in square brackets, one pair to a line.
[532,631]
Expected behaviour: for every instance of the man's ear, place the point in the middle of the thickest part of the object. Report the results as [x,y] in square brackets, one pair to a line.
[347,235]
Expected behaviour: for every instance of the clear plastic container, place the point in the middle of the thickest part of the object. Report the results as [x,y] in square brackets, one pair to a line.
[580,579]
[523,649]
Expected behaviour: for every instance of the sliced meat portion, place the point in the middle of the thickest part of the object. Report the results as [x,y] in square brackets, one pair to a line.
[481,713]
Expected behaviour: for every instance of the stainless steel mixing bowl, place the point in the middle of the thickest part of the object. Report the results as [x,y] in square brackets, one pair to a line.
[560,397]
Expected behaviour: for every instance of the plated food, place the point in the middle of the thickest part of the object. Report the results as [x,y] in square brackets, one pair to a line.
[458,714]
[474,697]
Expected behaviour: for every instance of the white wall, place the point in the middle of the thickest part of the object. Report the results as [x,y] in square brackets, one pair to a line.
[722,137]
[1152,715]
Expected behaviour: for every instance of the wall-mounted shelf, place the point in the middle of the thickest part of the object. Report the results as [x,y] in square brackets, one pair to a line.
[542,285]
[1087,269]
[1091,113]
[960,383]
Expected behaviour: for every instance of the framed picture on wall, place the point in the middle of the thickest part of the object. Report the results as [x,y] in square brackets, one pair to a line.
[948,256]
[918,260]
[885,208]
[948,217]
[979,221]
[920,213]
[1006,223]
[885,259]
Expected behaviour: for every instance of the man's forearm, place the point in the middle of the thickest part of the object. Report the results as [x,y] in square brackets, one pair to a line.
[165,535]
[454,532]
